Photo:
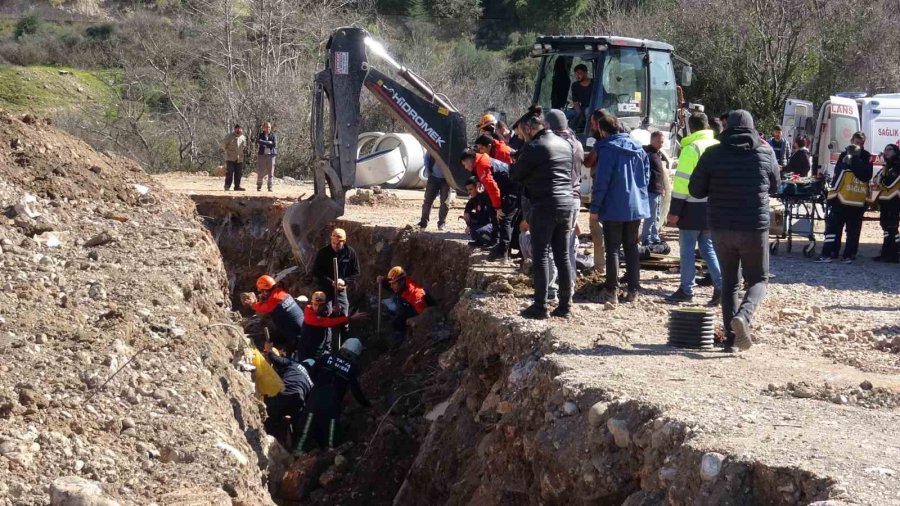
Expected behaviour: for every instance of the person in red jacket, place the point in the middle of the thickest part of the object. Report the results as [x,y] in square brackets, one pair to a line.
[317,324]
[503,193]
[275,302]
[494,148]
[411,300]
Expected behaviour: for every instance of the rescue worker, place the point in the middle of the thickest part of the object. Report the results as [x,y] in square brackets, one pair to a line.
[286,315]
[889,203]
[317,324]
[847,201]
[332,375]
[479,216]
[503,193]
[289,402]
[494,148]
[689,214]
[410,298]
[348,272]
[487,123]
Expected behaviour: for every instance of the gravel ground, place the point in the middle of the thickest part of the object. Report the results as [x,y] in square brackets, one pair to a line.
[827,358]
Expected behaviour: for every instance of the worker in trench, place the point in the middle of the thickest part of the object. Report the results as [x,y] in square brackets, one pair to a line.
[275,302]
[337,290]
[316,326]
[290,401]
[332,374]
[410,300]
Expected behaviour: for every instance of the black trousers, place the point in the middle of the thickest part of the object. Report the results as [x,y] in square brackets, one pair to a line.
[510,206]
[338,334]
[741,251]
[841,216]
[277,408]
[233,172]
[624,234]
[890,221]
[550,231]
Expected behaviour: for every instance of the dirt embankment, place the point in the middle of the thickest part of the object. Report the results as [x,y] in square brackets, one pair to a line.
[116,384]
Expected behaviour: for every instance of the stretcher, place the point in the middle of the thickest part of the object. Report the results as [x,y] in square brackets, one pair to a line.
[804,213]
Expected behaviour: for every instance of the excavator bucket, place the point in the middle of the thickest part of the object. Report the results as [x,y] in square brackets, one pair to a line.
[306,219]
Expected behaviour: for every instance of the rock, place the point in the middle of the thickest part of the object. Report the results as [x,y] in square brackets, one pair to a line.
[570,408]
[711,465]
[233,452]
[667,474]
[504,407]
[99,240]
[438,411]
[328,478]
[128,423]
[97,292]
[866,385]
[500,286]
[76,491]
[883,471]
[840,399]
[802,392]
[619,429]
[596,413]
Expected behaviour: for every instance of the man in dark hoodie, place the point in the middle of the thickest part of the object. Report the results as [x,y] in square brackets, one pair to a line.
[544,168]
[737,176]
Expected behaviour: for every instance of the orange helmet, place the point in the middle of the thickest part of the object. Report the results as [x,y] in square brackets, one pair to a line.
[339,234]
[396,273]
[487,120]
[265,282]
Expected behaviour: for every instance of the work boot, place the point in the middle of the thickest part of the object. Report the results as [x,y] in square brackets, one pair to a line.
[442,227]
[499,253]
[535,312]
[259,187]
[731,350]
[631,295]
[227,188]
[562,311]
[716,297]
[270,188]
[422,225]
[741,328]
[240,189]
[680,296]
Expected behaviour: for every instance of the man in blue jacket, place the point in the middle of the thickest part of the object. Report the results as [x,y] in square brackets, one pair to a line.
[619,199]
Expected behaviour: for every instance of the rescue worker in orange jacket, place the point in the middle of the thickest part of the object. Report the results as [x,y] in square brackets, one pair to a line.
[317,324]
[503,192]
[494,148]
[410,298]
[286,314]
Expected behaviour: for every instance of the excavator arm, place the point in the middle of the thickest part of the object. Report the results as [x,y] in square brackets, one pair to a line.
[429,117]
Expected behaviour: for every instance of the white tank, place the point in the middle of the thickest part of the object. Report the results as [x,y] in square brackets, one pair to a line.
[413,156]
[379,168]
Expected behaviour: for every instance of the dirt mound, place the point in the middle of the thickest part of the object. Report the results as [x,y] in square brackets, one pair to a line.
[116,383]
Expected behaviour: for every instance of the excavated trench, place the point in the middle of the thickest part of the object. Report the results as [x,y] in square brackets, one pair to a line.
[472,409]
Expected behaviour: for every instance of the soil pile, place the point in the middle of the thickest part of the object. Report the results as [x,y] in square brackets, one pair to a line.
[116,385]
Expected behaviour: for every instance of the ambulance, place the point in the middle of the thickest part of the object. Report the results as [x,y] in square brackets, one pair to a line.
[839,117]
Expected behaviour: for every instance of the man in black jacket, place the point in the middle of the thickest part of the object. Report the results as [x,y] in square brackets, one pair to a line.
[544,167]
[333,375]
[847,201]
[348,272]
[289,402]
[738,176]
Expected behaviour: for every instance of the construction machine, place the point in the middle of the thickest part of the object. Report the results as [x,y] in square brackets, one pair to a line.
[634,78]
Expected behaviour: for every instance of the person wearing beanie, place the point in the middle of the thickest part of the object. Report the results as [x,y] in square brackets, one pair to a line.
[556,121]
[737,176]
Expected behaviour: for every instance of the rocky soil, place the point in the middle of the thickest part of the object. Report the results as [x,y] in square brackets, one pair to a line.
[116,385]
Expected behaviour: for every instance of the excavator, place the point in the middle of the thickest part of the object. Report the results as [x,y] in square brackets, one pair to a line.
[634,78]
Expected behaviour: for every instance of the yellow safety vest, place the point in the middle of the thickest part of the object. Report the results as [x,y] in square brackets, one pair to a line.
[849,190]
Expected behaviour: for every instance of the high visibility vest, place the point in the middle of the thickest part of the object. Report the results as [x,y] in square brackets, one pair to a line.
[693,147]
[849,190]
[889,188]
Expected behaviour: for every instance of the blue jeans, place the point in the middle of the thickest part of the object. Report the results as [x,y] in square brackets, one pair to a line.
[688,240]
[482,235]
[650,232]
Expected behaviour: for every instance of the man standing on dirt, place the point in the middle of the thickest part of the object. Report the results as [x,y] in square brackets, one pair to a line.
[265,157]
[737,176]
[234,145]
[434,186]
[347,272]
[544,168]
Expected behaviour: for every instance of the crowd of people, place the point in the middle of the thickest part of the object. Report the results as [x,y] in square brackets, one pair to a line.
[309,346]
[524,194]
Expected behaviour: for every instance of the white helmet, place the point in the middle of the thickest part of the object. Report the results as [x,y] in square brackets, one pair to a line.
[352,345]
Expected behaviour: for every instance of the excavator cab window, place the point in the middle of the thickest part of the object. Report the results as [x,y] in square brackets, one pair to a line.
[624,83]
[556,82]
